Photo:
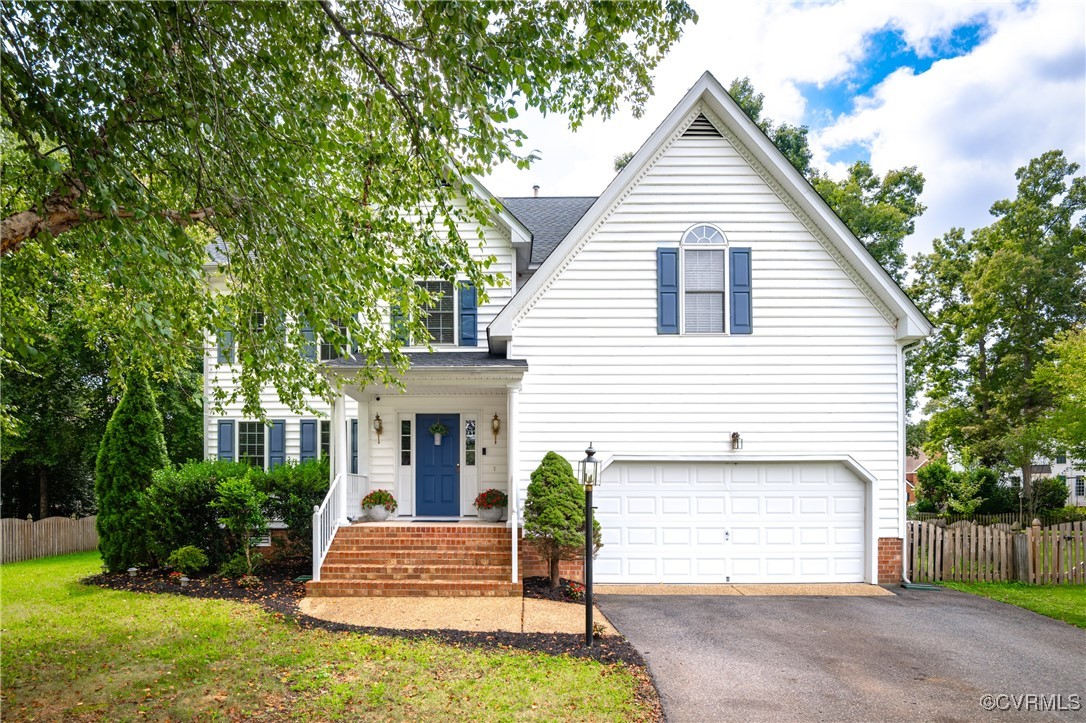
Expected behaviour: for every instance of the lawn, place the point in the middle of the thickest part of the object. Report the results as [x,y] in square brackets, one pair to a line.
[1063,602]
[72,651]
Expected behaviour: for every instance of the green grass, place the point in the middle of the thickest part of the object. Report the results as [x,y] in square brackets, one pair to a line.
[72,651]
[1063,602]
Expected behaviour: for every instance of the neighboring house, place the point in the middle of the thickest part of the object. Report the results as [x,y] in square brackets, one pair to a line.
[912,466]
[1073,472]
[708,295]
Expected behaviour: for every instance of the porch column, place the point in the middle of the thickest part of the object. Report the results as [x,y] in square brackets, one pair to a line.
[340,450]
[512,395]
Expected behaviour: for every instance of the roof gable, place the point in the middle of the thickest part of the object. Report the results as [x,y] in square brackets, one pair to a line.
[706,108]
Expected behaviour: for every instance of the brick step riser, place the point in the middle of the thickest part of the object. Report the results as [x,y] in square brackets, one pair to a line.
[341,558]
[424,566]
[393,542]
[413,576]
[405,533]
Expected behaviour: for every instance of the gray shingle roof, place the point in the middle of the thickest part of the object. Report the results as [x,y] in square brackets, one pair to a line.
[443,360]
[549,218]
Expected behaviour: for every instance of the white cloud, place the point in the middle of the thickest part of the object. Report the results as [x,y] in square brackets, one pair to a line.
[967,122]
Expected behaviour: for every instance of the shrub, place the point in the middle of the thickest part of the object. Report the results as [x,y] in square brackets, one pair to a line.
[178,512]
[490,499]
[1049,493]
[132,449]
[293,491]
[554,513]
[379,498]
[239,566]
[241,511]
[188,560]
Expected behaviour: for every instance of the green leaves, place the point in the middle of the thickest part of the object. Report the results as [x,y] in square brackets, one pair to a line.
[310,141]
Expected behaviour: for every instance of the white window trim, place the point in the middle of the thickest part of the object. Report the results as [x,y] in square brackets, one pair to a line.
[683,246]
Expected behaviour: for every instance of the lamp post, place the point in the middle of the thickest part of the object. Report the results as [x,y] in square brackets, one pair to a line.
[589,469]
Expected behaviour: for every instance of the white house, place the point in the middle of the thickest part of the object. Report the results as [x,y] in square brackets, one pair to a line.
[730,348]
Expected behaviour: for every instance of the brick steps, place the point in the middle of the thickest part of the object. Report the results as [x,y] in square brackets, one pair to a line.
[418,561]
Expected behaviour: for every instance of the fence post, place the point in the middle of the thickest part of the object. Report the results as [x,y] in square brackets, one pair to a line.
[1036,563]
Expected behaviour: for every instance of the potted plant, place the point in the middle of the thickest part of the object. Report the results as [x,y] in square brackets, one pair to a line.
[438,429]
[491,505]
[379,504]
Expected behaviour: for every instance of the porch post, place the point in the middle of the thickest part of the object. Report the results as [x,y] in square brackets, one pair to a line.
[340,450]
[512,395]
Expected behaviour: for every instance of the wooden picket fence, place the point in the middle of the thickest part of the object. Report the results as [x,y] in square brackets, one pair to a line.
[965,552]
[27,539]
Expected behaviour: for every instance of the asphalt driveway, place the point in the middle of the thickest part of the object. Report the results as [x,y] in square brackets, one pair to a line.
[917,655]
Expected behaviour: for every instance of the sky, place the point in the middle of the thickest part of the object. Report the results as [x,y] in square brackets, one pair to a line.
[966,91]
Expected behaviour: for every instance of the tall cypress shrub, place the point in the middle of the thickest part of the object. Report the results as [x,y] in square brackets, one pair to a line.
[554,513]
[132,448]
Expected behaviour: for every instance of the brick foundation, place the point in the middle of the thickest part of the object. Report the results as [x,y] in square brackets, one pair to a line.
[890,559]
[532,564]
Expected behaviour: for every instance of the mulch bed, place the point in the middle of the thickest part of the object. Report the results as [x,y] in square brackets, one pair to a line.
[279,594]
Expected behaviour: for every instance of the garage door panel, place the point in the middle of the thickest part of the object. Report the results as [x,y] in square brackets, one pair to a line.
[731,522]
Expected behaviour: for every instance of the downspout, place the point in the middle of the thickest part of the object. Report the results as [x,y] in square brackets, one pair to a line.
[905,581]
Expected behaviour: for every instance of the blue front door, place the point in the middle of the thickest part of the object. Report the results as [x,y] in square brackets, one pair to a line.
[437,467]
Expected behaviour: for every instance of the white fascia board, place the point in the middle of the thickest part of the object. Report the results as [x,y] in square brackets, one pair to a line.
[745,458]
[518,233]
[709,91]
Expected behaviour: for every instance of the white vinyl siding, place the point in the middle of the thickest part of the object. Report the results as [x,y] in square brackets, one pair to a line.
[819,376]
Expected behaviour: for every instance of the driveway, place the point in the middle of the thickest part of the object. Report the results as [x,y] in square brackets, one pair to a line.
[917,655]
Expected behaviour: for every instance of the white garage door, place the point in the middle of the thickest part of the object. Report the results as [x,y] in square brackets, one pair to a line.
[714,522]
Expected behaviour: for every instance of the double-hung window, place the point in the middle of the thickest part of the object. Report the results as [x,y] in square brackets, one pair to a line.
[703,285]
[251,443]
[703,281]
[441,314]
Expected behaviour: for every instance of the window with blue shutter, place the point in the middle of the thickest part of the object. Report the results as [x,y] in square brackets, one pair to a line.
[398,326]
[226,346]
[309,351]
[742,318]
[353,434]
[469,315]
[226,439]
[667,291]
[307,447]
[277,444]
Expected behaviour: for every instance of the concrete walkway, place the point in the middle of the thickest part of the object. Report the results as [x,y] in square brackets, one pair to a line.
[477,614]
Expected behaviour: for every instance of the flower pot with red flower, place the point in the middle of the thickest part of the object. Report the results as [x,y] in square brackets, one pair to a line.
[491,505]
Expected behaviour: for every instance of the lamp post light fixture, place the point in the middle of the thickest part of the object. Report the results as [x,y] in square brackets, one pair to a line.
[379,427]
[131,572]
[589,469]
[495,426]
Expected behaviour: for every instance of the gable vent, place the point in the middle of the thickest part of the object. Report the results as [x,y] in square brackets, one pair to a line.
[701,128]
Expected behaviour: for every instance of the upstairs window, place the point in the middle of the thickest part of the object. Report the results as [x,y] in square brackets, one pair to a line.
[703,281]
[703,286]
[451,320]
[441,315]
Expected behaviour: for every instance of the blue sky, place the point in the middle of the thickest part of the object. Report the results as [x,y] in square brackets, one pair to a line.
[966,91]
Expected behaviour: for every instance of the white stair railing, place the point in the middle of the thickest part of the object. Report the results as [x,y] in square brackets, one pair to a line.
[326,519]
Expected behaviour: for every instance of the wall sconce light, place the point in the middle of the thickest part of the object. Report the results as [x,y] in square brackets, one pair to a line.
[378,427]
[495,426]
[737,441]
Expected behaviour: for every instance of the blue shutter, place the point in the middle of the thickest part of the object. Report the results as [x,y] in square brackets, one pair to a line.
[469,316]
[667,291]
[277,445]
[354,446]
[742,319]
[310,348]
[307,448]
[226,440]
[399,328]
[226,346]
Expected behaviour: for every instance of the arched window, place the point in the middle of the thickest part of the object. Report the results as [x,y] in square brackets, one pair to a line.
[704,288]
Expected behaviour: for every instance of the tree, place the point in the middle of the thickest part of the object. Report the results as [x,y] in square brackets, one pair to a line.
[132,449]
[325,148]
[554,513]
[1064,376]
[997,299]
[622,160]
[790,140]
